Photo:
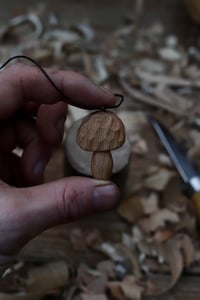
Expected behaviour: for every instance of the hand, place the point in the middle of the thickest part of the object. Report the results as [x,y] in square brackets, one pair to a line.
[32,116]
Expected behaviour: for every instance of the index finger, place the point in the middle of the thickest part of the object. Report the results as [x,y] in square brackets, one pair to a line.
[23,83]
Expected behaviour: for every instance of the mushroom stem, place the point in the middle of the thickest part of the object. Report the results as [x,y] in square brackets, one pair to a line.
[102,165]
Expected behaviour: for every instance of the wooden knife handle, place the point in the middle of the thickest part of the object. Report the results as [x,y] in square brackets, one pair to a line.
[196,203]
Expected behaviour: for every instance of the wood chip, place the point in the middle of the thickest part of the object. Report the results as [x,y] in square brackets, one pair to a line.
[158,220]
[48,277]
[131,209]
[159,180]
[93,297]
[131,289]
[173,256]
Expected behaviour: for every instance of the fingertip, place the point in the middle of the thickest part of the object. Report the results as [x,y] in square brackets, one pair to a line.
[70,199]
[105,197]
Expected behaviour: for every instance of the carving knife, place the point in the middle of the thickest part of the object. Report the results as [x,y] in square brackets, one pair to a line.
[189,174]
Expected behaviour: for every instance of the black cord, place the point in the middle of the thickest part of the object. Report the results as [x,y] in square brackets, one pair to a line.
[54,85]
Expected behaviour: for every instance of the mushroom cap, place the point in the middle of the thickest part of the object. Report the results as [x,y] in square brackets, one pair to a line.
[101,131]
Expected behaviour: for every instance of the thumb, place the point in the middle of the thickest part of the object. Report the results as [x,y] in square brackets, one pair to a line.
[69,199]
[29,211]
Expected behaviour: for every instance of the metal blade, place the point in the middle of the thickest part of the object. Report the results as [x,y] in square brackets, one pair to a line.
[178,156]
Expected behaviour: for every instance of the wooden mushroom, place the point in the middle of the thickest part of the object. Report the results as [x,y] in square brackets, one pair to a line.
[101,132]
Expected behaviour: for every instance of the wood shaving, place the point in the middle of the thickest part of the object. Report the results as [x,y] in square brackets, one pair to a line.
[158,220]
[131,209]
[153,232]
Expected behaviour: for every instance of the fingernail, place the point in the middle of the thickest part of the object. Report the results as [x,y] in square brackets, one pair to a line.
[60,125]
[105,197]
[39,167]
[107,91]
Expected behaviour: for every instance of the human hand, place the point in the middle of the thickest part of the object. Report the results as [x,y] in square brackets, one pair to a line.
[32,116]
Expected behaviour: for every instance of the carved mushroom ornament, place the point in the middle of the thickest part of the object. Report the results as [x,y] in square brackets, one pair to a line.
[101,132]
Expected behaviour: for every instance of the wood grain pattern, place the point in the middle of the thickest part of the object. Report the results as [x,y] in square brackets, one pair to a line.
[101,131]
[102,165]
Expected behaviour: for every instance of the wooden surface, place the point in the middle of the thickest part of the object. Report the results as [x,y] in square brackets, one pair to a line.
[104,16]
[54,244]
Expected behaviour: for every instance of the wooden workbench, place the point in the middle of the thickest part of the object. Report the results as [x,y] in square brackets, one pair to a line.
[53,243]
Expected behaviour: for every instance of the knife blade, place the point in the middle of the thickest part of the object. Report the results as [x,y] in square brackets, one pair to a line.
[186,169]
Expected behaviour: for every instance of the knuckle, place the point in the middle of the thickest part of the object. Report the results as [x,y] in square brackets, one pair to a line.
[71,208]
